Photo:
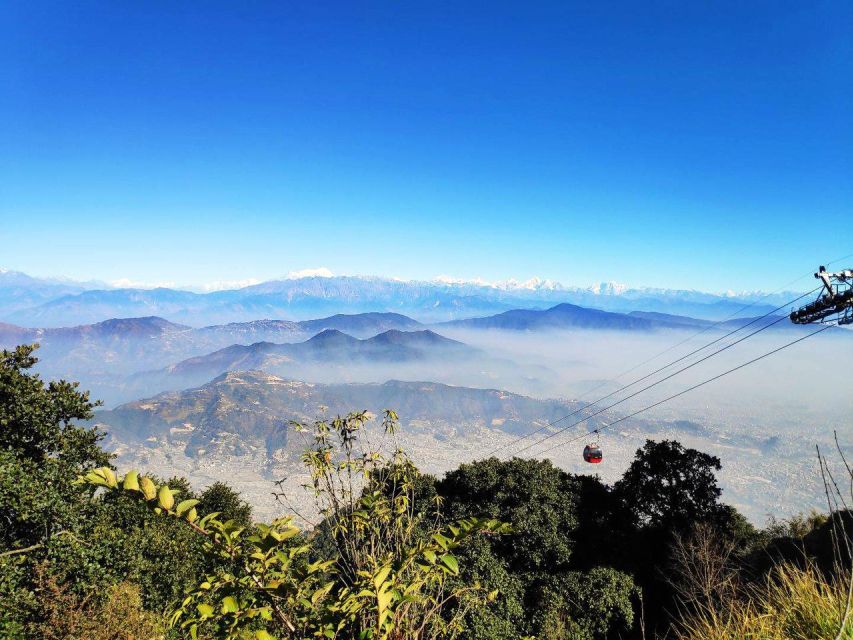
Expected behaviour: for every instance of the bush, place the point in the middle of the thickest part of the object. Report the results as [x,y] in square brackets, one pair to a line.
[117,615]
[389,573]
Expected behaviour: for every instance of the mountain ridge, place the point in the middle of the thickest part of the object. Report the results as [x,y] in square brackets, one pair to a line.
[242,409]
[304,297]
[328,346]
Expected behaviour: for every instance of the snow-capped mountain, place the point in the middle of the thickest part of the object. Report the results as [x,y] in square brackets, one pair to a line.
[30,301]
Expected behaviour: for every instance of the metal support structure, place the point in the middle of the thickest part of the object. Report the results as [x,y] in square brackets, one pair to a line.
[835,302]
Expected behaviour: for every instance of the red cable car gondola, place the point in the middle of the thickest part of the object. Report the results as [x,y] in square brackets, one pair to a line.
[592,452]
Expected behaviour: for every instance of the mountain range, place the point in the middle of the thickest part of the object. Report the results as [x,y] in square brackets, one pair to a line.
[18,291]
[561,316]
[330,347]
[129,357]
[133,344]
[243,410]
[47,303]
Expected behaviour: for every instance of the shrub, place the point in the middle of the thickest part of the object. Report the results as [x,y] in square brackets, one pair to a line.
[388,572]
[65,615]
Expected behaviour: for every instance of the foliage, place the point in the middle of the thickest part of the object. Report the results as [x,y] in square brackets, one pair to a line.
[797,526]
[51,532]
[41,513]
[222,499]
[504,617]
[791,603]
[541,593]
[40,446]
[670,487]
[66,615]
[37,419]
[125,540]
[387,579]
[538,498]
[584,606]
[392,558]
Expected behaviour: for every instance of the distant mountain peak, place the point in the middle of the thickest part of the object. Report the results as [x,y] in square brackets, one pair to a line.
[609,289]
[140,327]
[423,336]
[250,376]
[511,284]
[331,335]
[326,333]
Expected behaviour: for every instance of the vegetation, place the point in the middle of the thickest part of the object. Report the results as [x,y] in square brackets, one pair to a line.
[495,549]
[791,603]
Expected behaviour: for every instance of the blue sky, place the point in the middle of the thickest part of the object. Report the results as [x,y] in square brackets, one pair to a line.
[699,144]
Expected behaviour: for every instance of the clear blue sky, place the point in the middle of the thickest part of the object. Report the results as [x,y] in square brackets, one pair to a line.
[697,144]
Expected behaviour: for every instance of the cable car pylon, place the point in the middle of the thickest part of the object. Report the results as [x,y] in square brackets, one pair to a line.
[835,299]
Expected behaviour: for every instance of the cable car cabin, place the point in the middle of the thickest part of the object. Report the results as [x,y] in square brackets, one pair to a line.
[592,454]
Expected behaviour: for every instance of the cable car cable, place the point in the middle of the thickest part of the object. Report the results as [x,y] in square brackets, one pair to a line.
[711,326]
[715,324]
[647,376]
[681,393]
[654,384]
[635,367]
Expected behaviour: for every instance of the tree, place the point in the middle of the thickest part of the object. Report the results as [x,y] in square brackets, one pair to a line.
[504,617]
[704,571]
[39,443]
[41,446]
[51,531]
[670,487]
[222,499]
[538,498]
[540,591]
[585,606]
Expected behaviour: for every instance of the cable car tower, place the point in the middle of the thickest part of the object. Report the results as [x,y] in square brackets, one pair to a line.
[836,299]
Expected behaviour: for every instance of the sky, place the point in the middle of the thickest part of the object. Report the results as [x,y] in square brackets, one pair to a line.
[703,145]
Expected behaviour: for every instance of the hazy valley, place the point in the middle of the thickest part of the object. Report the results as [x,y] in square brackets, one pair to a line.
[214,401]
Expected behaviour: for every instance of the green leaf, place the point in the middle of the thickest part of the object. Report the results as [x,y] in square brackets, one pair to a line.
[131,481]
[450,562]
[165,498]
[204,610]
[185,506]
[108,475]
[379,578]
[148,488]
[383,600]
[229,605]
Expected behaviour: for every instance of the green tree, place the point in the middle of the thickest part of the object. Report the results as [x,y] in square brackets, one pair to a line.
[535,570]
[538,498]
[670,487]
[666,492]
[41,446]
[52,532]
[587,606]
[222,499]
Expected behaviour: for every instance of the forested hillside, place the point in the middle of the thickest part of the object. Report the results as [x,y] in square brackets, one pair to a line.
[493,550]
